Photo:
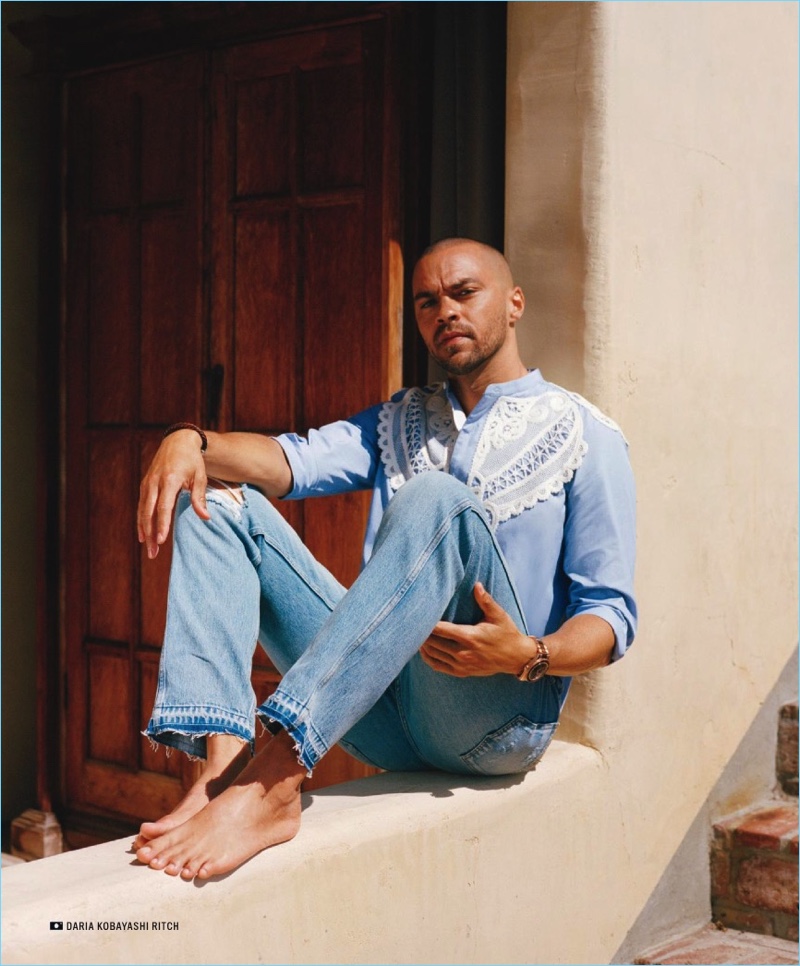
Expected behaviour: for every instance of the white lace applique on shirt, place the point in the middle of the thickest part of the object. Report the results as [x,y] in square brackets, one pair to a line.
[598,414]
[416,434]
[528,450]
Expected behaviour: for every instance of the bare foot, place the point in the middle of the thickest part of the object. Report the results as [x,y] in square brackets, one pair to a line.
[259,809]
[226,757]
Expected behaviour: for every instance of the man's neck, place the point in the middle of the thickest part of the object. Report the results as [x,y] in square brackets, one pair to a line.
[470,388]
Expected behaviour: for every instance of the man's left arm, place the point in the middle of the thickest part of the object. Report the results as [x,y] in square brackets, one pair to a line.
[598,559]
[497,646]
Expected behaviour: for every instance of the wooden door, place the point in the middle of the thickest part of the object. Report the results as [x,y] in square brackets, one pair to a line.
[231,213]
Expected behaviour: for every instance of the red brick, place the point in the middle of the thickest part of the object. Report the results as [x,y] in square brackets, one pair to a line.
[767,882]
[786,752]
[749,920]
[767,828]
[720,830]
[720,872]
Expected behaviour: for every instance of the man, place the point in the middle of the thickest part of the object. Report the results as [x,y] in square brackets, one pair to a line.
[503,507]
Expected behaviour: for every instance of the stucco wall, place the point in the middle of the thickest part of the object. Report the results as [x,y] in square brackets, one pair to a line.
[681,119]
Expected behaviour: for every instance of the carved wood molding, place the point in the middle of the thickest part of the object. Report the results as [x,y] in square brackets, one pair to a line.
[114,33]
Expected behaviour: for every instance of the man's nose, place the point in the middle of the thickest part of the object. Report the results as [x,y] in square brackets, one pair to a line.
[448,310]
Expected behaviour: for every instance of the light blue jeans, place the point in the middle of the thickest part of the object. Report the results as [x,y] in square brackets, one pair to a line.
[351,670]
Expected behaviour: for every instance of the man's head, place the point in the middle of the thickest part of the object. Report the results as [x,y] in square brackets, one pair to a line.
[466,306]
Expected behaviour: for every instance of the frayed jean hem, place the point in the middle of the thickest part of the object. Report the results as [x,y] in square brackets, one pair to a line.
[186,730]
[288,712]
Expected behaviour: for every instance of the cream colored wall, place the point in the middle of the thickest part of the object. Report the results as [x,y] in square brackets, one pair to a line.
[682,121]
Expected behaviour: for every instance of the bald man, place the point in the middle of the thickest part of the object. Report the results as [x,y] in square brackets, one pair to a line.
[498,564]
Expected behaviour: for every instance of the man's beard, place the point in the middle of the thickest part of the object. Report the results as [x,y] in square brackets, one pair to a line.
[474,360]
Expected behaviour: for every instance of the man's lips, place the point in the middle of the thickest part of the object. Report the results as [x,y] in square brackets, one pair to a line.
[446,338]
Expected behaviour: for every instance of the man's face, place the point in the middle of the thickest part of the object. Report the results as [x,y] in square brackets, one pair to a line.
[463,302]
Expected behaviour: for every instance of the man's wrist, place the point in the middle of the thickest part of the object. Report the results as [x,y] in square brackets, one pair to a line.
[538,664]
[177,427]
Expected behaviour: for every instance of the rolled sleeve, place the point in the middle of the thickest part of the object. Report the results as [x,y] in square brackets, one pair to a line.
[600,535]
[336,458]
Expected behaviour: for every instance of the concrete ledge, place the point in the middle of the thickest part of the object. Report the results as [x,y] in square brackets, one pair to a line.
[395,869]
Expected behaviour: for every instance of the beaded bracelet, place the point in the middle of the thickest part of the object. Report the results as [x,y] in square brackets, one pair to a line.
[176,426]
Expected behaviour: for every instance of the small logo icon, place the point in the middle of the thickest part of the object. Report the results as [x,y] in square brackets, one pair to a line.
[56,925]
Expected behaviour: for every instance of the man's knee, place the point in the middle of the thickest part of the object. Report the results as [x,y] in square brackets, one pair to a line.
[432,492]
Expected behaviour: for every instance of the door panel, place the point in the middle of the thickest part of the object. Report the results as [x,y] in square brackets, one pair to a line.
[332,127]
[338,308]
[110,550]
[111,335]
[134,354]
[265,340]
[109,738]
[262,121]
[170,346]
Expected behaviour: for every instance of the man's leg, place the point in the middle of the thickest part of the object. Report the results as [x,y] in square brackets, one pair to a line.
[221,571]
[245,574]
[433,546]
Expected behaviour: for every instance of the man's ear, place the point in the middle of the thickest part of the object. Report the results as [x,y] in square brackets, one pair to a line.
[517,305]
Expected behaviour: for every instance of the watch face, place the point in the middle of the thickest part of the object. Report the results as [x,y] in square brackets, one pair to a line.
[538,670]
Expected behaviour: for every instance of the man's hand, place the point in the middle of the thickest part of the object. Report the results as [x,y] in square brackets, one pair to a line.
[178,465]
[494,646]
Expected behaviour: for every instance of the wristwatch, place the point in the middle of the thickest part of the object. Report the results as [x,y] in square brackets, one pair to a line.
[538,665]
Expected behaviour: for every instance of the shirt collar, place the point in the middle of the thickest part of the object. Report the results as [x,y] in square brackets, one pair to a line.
[523,386]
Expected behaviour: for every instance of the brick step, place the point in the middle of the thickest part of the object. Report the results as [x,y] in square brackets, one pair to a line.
[786,755]
[713,945]
[754,870]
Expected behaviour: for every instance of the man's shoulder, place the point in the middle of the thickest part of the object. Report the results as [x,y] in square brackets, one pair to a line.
[587,408]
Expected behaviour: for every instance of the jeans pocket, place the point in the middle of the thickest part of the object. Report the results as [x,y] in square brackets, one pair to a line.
[514,748]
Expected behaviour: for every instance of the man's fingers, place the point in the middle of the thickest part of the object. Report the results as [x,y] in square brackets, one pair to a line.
[487,603]
[199,487]
[146,517]
[170,487]
[462,633]
[434,660]
[166,505]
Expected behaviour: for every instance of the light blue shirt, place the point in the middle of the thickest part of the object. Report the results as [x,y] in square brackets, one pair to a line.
[551,470]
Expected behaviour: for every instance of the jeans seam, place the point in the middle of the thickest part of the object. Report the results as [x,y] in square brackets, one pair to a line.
[255,535]
[403,589]
[404,722]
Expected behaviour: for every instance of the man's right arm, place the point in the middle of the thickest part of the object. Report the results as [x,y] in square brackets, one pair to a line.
[180,465]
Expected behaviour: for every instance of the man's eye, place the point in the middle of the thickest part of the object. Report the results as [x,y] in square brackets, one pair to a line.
[428,303]
[465,292]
